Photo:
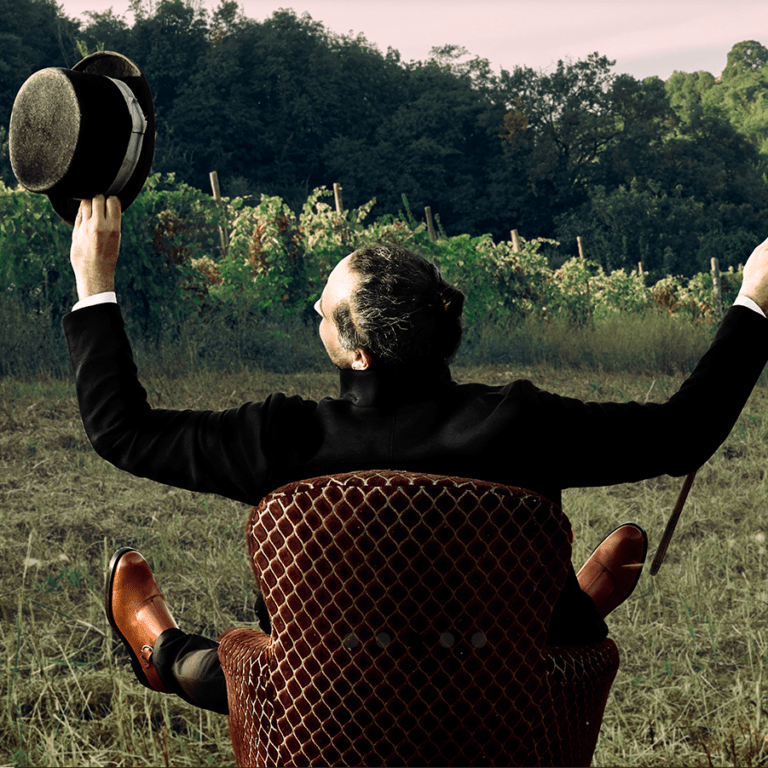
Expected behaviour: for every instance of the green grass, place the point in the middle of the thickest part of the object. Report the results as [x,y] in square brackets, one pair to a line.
[693,640]
[32,345]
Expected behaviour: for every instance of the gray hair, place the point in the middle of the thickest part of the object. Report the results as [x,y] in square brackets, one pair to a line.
[402,313]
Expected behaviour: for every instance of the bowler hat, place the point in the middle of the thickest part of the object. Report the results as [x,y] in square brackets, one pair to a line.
[77,133]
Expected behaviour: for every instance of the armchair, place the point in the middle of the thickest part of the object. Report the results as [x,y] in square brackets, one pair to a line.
[409,627]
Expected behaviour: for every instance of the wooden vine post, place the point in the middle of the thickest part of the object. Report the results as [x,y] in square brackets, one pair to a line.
[342,227]
[515,241]
[580,243]
[337,197]
[223,230]
[430,224]
[717,293]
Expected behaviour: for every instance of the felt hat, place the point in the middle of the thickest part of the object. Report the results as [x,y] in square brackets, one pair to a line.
[77,133]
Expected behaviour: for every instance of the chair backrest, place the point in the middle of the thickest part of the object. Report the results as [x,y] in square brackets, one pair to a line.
[409,619]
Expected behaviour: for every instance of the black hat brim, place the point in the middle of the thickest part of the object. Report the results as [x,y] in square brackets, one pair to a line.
[118,67]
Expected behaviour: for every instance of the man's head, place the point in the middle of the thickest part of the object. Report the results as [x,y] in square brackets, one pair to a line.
[388,307]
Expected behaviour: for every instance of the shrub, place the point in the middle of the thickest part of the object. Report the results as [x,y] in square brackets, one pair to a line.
[191,268]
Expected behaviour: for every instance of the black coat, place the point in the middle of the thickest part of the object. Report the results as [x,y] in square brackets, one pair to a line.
[515,435]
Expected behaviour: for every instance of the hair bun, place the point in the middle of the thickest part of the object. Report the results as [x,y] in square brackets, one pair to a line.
[452,300]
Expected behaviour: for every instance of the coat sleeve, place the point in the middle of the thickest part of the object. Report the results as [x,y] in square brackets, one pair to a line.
[225,452]
[592,444]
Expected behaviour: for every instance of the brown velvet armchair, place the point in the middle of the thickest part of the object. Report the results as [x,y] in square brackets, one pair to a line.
[409,620]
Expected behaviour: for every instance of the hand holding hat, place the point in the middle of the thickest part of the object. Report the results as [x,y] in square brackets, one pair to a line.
[96,245]
[82,132]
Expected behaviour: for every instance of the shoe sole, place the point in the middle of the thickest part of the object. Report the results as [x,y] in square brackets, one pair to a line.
[642,561]
[135,663]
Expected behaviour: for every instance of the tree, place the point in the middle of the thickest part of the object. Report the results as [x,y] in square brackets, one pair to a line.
[105,31]
[6,174]
[559,127]
[285,105]
[645,116]
[227,19]
[743,94]
[33,35]
[712,162]
[688,93]
[708,149]
[168,46]
[746,57]
[428,147]
[217,121]
[640,223]
[269,98]
[738,96]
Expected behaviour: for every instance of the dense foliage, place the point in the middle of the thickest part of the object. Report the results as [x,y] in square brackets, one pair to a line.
[186,258]
[667,173]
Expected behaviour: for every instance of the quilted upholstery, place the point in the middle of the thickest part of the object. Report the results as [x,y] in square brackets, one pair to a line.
[409,618]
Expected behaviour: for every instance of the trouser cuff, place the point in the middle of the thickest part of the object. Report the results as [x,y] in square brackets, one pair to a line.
[189,666]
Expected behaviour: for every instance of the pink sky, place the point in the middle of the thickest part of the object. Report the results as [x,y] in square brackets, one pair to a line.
[646,37]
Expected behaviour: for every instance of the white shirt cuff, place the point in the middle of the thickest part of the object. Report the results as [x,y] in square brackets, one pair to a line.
[745,301]
[108,297]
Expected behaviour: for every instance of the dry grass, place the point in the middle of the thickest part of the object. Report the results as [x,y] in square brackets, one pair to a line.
[694,639]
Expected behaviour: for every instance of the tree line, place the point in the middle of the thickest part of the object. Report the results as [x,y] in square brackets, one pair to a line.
[664,173]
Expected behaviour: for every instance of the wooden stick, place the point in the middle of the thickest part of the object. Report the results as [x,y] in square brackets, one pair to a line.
[223,231]
[214,177]
[430,225]
[672,524]
[337,196]
[717,294]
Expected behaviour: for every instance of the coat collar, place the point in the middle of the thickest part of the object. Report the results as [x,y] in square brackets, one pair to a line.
[380,387]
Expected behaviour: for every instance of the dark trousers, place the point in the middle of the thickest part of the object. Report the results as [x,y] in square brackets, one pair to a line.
[189,666]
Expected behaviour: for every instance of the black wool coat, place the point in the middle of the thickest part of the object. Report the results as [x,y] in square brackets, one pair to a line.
[423,421]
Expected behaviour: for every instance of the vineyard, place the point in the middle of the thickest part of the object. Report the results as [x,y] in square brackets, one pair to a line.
[188,259]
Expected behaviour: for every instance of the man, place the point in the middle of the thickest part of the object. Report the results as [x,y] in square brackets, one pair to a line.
[391,325]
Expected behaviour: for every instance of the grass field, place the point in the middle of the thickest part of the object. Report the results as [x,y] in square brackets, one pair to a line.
[693,640]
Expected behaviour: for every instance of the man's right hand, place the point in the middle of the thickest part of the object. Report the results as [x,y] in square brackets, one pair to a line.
[755,282]
[96,245]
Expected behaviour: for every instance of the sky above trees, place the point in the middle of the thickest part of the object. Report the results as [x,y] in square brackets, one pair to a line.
[645,37]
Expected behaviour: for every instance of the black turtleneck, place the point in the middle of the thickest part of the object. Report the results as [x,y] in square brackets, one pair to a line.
[385,387]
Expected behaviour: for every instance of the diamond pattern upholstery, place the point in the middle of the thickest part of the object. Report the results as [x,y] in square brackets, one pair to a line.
[409,619]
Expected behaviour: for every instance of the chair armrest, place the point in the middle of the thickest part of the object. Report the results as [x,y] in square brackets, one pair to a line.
[580,680]
[246,659]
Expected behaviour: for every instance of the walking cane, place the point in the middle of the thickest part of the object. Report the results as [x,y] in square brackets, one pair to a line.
[673,518]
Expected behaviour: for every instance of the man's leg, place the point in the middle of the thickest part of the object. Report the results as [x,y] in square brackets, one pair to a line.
[162,656]
[189,665]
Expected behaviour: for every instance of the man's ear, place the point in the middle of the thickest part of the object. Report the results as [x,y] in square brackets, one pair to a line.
[361,360]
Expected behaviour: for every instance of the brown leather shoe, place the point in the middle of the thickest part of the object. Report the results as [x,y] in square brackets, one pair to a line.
[137,612]
[613,570]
